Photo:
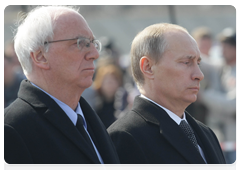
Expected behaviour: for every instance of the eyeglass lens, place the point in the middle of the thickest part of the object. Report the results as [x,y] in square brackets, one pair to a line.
[84,42]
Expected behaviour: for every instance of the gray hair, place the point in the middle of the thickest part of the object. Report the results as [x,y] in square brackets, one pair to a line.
[150,42]
[33,31]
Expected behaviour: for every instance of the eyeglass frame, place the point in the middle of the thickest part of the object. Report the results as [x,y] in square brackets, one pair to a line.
[77,38]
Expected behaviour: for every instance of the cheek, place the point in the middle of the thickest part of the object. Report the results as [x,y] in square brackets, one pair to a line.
[173,79]
[170,74]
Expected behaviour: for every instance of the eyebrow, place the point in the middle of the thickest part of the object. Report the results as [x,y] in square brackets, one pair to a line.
[193,57]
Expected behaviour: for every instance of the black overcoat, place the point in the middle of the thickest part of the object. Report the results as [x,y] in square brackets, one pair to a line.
[147,135]
[38,131]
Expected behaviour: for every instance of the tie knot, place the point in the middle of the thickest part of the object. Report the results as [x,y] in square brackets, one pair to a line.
[186,127]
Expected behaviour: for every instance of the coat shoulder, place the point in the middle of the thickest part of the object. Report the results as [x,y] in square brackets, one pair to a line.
[20,112]
[205,128]
[125,123]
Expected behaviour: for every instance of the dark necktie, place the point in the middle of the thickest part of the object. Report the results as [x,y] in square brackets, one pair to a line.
[83,132]
[189,132]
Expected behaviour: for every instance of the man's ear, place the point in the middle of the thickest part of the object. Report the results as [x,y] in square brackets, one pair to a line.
[40,60]
[146,67]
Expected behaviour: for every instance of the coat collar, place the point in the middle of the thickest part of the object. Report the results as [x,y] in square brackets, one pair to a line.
[48,108]
[168,129]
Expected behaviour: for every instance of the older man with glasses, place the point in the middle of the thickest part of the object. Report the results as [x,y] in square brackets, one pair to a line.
[50,122]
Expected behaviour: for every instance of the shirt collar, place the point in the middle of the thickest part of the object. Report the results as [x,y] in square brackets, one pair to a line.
[68,110]
[170,113]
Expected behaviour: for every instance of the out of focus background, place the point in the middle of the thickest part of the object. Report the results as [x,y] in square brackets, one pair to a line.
[113,90]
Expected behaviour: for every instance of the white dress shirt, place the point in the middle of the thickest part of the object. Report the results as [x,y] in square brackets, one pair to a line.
[73,117]
[176,119]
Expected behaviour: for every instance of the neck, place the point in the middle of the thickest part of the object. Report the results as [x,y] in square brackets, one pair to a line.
[68,94]
[176,107]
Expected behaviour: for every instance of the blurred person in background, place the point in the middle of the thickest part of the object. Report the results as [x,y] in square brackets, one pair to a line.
[204,39]
[49,122]
[108,55]
[110,49]
[129,85]
[109,93]
[222,102]
[12,74]
[10,51]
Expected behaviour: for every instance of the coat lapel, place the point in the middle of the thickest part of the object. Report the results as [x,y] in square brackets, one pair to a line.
[210,154]
[64,124]
[168,129]
[99,134]
[176,137]
[55,115]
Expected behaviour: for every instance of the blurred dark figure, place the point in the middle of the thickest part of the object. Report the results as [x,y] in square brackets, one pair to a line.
[109,48]
[108,86]
[222,102]
[129,84]
[12,75]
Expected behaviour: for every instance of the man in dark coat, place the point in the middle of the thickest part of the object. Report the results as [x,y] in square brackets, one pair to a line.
[165,65]
[49,122]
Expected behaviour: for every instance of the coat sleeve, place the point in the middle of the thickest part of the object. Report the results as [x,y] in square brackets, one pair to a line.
[15,150]
[128,148]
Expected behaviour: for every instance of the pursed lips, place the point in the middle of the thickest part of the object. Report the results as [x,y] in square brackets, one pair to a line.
[91,69]
[194,88]
[88,69]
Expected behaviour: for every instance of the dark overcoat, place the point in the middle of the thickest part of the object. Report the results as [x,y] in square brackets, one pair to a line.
[147,135]
[38,131]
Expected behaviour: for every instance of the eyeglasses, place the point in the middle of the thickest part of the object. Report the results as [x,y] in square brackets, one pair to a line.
[81,43]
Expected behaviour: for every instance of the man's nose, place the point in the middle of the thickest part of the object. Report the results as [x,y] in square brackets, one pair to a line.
[93,53]
[198,74]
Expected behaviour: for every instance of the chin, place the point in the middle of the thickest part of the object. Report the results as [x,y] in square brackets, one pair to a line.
[86,83]
[191,99]
[194,99]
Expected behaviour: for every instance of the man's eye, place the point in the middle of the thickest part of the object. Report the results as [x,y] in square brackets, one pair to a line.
[82,43]
[88,44]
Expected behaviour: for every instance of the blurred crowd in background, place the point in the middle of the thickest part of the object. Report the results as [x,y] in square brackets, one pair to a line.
[113,90]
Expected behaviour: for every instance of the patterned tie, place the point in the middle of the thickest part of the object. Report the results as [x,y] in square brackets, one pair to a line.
[189,132]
